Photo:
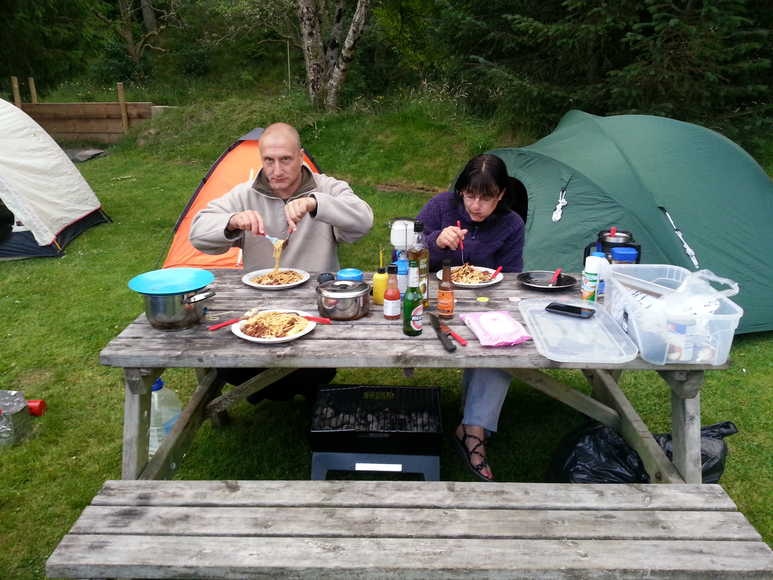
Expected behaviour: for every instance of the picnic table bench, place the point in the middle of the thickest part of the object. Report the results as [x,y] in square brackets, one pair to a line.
[406,529]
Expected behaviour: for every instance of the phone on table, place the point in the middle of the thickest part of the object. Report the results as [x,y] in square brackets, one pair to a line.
[570,310]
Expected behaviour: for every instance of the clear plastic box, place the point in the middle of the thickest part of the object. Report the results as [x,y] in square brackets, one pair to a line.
[566,339]
[633,299]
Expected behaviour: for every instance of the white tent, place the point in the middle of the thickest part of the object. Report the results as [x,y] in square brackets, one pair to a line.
[50,201]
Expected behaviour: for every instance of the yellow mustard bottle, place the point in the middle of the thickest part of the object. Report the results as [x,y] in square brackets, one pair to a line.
[379,285]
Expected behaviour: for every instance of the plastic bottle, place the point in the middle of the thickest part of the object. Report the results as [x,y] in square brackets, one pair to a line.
[413,303]
[445,293]
[392,295]
[379,285]
[402,276]
[420,253]
[165,409]
[590,276]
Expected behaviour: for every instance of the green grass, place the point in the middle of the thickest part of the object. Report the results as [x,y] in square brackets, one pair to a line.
[59,313]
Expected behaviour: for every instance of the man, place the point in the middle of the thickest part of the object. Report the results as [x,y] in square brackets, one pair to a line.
[286,199]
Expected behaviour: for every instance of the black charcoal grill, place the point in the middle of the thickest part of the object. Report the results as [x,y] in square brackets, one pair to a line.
[375,428]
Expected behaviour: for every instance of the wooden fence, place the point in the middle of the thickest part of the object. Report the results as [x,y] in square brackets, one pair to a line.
[94,122]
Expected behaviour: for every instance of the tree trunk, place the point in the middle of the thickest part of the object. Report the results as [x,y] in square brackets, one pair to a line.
[338,74]
[126,30]
[313,54]
[149,16]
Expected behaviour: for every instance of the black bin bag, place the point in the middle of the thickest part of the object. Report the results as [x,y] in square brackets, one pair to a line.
[595,453]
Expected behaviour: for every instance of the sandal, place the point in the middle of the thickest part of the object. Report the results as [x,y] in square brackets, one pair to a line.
[461,445]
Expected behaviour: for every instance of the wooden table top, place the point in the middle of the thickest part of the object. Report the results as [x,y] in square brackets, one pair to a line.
[371,341]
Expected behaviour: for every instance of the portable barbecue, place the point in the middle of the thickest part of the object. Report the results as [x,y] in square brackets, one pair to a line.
[376,428]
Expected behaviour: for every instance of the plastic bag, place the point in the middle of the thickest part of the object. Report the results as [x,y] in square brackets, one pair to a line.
[495,328]
[713,449]
[595,453]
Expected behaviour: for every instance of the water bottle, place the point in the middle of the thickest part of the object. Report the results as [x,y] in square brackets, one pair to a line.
[165,409]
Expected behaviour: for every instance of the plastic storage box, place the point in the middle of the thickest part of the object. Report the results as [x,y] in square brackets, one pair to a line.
[634,295]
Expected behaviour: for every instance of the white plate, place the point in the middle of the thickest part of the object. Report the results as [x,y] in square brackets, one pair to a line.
[237,328]
[498,278]
[247,279]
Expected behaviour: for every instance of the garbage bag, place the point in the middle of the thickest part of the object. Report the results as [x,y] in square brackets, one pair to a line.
[713,449]
[595,453]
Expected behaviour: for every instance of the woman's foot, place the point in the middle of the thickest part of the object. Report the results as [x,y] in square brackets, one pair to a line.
[471,442]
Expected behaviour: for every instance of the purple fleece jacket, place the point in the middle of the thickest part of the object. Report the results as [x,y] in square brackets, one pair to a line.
[496,241]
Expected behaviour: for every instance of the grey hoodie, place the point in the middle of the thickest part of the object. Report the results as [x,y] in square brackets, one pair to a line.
[341,216]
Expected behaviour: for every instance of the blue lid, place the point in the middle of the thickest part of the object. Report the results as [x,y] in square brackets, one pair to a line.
[599,254]
[171,281]
[402,266]
[624,253]
[158,385]
[349,274]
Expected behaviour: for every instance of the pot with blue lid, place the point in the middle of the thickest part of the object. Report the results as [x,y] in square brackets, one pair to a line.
[174,296]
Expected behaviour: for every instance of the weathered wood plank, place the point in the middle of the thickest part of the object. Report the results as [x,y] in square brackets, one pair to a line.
[136,421]
[405,494]
[569,396]
[229,557]
[108,110]
[638,436]
[172,449]
[686,436]
[415,523]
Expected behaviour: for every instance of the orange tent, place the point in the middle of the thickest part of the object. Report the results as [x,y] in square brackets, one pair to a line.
[237,164]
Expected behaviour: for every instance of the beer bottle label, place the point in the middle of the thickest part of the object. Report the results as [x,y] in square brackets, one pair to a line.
[416,317]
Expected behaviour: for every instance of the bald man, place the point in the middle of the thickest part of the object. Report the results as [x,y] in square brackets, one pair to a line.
[285,198]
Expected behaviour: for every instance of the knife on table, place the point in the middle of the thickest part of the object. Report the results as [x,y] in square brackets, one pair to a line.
[443,332]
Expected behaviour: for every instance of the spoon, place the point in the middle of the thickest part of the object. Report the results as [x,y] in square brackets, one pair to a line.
[554,279]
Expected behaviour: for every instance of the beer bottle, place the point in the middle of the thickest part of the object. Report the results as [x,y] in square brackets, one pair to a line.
[445,293]
[413,304]
[418,251]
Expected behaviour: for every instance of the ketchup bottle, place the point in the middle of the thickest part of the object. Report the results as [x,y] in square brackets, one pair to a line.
[392,295]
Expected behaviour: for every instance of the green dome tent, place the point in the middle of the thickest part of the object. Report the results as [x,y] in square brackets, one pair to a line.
[689,196]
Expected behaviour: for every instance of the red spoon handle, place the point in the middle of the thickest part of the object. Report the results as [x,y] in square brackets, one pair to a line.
[222,324]
[318,319]
[458,338]
[494,274]
[461,242]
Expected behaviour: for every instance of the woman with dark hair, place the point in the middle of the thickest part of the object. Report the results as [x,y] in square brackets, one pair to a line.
[493,236]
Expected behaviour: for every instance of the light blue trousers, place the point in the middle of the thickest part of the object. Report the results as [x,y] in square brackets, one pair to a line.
[484,394]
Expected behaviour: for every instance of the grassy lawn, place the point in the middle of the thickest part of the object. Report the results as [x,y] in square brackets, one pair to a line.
[60,313]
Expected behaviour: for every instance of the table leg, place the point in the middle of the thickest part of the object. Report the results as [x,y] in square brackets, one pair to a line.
[686,422]
[221,403]
[136,420]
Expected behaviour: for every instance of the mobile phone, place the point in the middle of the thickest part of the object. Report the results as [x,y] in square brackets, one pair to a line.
[569,310]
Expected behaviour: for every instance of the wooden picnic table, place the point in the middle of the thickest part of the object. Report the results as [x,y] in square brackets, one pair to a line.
[374,342]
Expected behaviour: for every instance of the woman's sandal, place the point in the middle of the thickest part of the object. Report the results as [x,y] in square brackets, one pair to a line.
[461,445]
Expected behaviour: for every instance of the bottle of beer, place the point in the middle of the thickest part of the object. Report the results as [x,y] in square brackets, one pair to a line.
[418,251]
[445,293]
[413,303]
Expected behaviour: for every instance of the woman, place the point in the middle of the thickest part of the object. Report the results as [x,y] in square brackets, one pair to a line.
[493,236]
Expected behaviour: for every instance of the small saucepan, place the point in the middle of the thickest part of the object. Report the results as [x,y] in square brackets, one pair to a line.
[174,297]
[343,299]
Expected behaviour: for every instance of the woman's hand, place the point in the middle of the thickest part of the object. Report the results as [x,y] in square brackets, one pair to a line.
[450,237]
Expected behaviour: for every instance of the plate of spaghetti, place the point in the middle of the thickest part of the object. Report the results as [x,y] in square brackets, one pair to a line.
[271,326]
[275,278]
[468,276]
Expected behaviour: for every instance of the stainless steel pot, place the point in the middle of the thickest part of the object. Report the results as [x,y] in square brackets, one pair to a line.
[176,311]
[343,299]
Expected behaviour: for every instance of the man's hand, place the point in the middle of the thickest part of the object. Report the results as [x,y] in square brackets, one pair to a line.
[249,221]
[450,237]
[296,209]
